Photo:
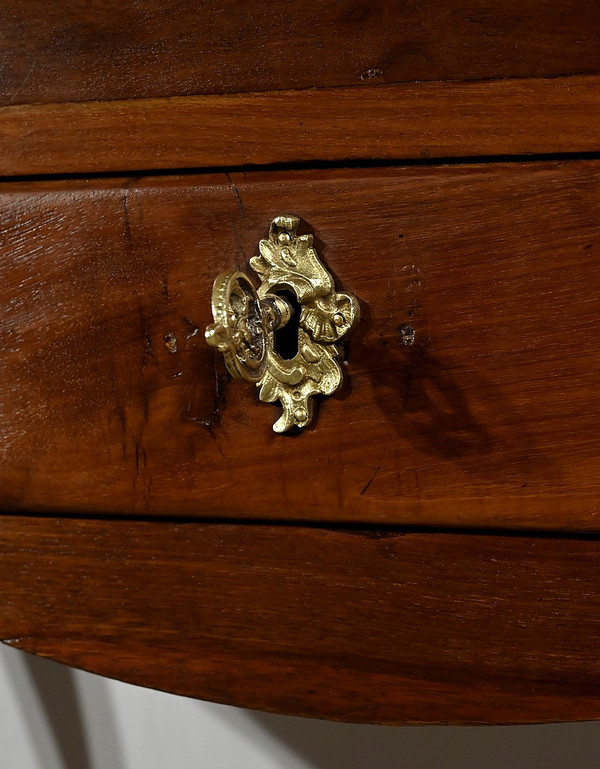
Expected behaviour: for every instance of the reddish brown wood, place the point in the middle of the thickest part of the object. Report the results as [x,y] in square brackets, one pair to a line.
[110,49]
[419,120]
[359,626]
[490,419]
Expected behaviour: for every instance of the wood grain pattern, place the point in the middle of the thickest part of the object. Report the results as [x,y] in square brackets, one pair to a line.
[119,49]
[351,625]
[491,418]
[420,120]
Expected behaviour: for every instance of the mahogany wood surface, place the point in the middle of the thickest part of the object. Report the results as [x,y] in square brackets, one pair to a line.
[111,402]
[352,625]
[118,49]
[416,120]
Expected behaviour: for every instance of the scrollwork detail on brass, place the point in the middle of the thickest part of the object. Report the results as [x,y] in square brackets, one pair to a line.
[246,318]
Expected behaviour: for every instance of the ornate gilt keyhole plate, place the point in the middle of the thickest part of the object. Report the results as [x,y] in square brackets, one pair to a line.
[246,318]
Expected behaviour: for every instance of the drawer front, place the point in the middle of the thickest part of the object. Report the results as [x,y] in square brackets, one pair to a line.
[111,402]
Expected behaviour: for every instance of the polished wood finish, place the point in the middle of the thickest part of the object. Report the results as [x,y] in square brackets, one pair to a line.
[471,384]
[115,49]
[356,625]
[490,419]
[418,120]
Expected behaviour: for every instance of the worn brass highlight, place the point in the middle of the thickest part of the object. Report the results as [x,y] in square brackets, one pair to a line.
[245,321]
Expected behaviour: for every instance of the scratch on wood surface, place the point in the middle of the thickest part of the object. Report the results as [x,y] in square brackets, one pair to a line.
[238,197]
[140,458]
[234,229]
[370,481]
[126,218]
[212,422]
[207,423]
[193,328]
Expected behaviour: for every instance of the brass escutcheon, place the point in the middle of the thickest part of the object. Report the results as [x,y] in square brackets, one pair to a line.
[246,319]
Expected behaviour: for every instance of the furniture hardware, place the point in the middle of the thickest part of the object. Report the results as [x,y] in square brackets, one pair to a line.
[246,319]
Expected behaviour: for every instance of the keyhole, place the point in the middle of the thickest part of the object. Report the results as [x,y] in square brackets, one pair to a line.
[286,338]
